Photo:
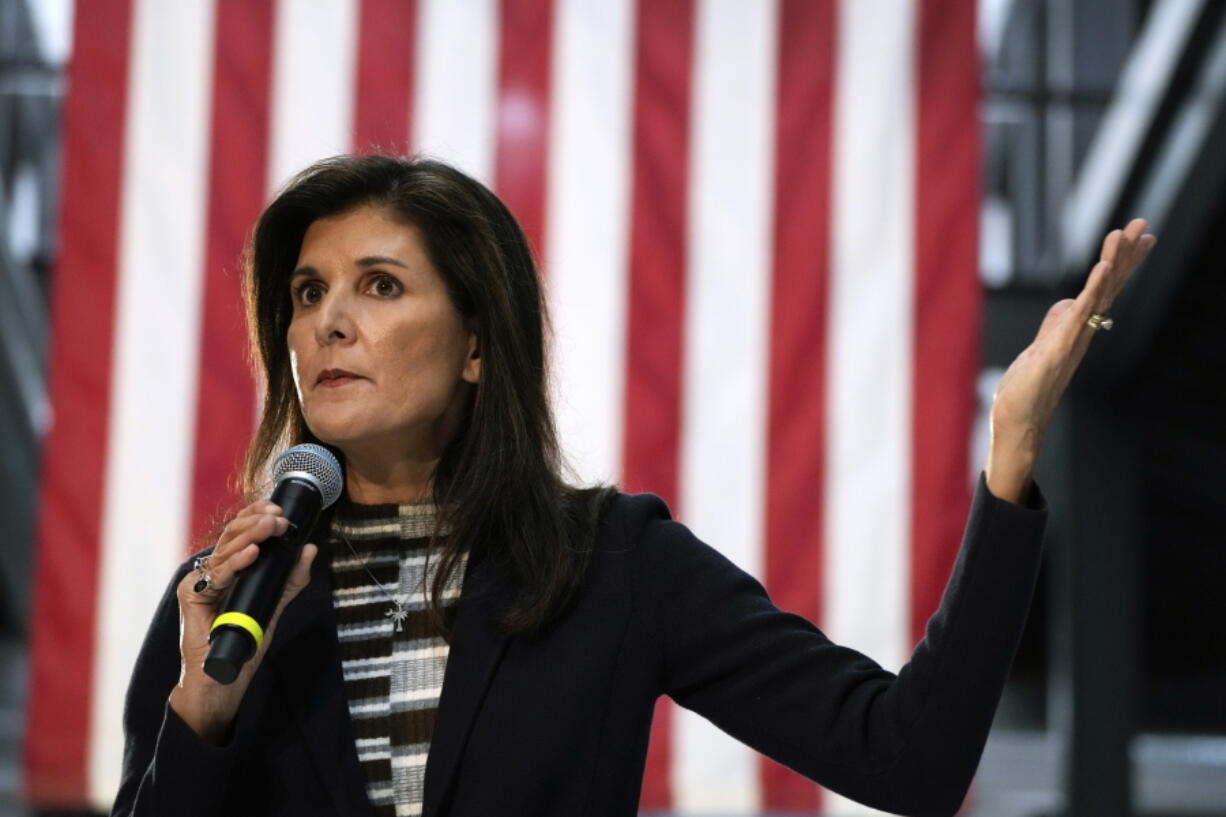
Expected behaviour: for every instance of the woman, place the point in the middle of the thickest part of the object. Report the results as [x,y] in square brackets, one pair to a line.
[398,320]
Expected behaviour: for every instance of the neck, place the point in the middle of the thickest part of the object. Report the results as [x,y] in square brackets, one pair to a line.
[378,481]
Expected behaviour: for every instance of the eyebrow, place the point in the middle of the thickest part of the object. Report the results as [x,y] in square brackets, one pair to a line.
[366,261]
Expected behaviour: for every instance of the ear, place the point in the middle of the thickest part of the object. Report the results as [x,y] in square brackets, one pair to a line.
[472,365]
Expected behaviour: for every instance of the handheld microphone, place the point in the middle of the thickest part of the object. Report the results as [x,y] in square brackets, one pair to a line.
[308,479]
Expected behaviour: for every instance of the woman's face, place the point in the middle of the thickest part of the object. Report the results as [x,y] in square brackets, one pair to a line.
[381,357]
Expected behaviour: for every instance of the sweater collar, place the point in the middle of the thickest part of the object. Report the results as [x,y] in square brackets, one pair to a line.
[410,520]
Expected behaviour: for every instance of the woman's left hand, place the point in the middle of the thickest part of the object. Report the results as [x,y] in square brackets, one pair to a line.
[1030,388]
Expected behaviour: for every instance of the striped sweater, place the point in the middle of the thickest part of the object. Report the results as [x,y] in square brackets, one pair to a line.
[393,661]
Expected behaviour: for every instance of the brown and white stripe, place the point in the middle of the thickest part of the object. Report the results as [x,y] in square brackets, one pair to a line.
[393,667]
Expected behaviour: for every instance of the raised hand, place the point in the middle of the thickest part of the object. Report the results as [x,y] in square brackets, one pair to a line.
[1028,392]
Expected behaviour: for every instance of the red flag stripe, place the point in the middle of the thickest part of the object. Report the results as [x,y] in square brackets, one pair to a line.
[656,302]
[796,432]
[238,166]
[947,294]
[387,39]
[74,452]
[522,127]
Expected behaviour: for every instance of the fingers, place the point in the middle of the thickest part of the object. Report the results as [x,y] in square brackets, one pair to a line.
[220,574]
[250,526]
[236,549]
[259,506]
[247,516]
[1120,245]
[1135,229]
[1094,296]
[301,574]
[1122,252]
[252,530]
[223,573]
[1133,245]
[1111,246]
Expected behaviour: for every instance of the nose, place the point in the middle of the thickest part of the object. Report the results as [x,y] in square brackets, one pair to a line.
[335,324]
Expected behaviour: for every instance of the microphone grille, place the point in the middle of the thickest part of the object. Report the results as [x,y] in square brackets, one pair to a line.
[316,461]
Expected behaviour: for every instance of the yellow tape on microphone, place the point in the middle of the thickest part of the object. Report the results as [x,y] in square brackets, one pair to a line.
[244,621]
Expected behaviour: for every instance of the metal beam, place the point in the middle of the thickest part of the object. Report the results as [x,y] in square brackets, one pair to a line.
[1179,192]
[1147,79]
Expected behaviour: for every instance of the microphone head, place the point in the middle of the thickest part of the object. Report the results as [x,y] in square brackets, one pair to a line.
[316,463]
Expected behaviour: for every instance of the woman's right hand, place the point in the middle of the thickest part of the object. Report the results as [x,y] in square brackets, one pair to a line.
[205,705]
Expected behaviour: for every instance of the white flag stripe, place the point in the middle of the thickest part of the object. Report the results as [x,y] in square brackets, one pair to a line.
[587,235]
[314,62]
[150,440]
[868,517]
[727,341]
[457,77]
[872,291]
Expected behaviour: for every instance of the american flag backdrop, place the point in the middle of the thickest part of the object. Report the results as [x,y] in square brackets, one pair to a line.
[757,222]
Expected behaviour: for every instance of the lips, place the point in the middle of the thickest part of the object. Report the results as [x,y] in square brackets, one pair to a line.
[336,377]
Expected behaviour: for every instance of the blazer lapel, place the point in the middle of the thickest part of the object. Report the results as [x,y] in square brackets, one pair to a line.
[308,666]
[475,653]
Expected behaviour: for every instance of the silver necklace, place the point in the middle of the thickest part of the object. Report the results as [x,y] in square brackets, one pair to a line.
[397,614]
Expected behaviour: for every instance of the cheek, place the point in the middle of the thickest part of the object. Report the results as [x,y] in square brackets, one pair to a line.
[426,367]
[294,360]
[422,345]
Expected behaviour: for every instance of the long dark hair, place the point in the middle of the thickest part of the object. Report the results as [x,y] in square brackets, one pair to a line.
[499,484]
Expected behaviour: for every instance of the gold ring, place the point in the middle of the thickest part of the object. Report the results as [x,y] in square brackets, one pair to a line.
[1099,321]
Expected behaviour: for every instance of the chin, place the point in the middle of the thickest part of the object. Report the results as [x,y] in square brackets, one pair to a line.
[338,428]
[351,433]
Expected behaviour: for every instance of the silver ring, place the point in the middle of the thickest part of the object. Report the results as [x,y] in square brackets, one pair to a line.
[204,582]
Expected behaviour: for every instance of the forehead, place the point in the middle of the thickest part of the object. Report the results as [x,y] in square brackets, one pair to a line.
[361,233]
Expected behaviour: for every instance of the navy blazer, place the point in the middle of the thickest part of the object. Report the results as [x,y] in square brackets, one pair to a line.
[558,725]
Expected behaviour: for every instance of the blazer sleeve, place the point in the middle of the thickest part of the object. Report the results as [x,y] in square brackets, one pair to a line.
[908,743]
[167,767]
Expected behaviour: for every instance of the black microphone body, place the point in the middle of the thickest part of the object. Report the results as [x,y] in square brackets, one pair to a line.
[239,629]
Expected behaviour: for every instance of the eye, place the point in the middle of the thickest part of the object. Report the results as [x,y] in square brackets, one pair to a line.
[308,293]
[385,286]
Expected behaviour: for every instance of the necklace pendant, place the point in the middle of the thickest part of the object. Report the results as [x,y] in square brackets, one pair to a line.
[398,615]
